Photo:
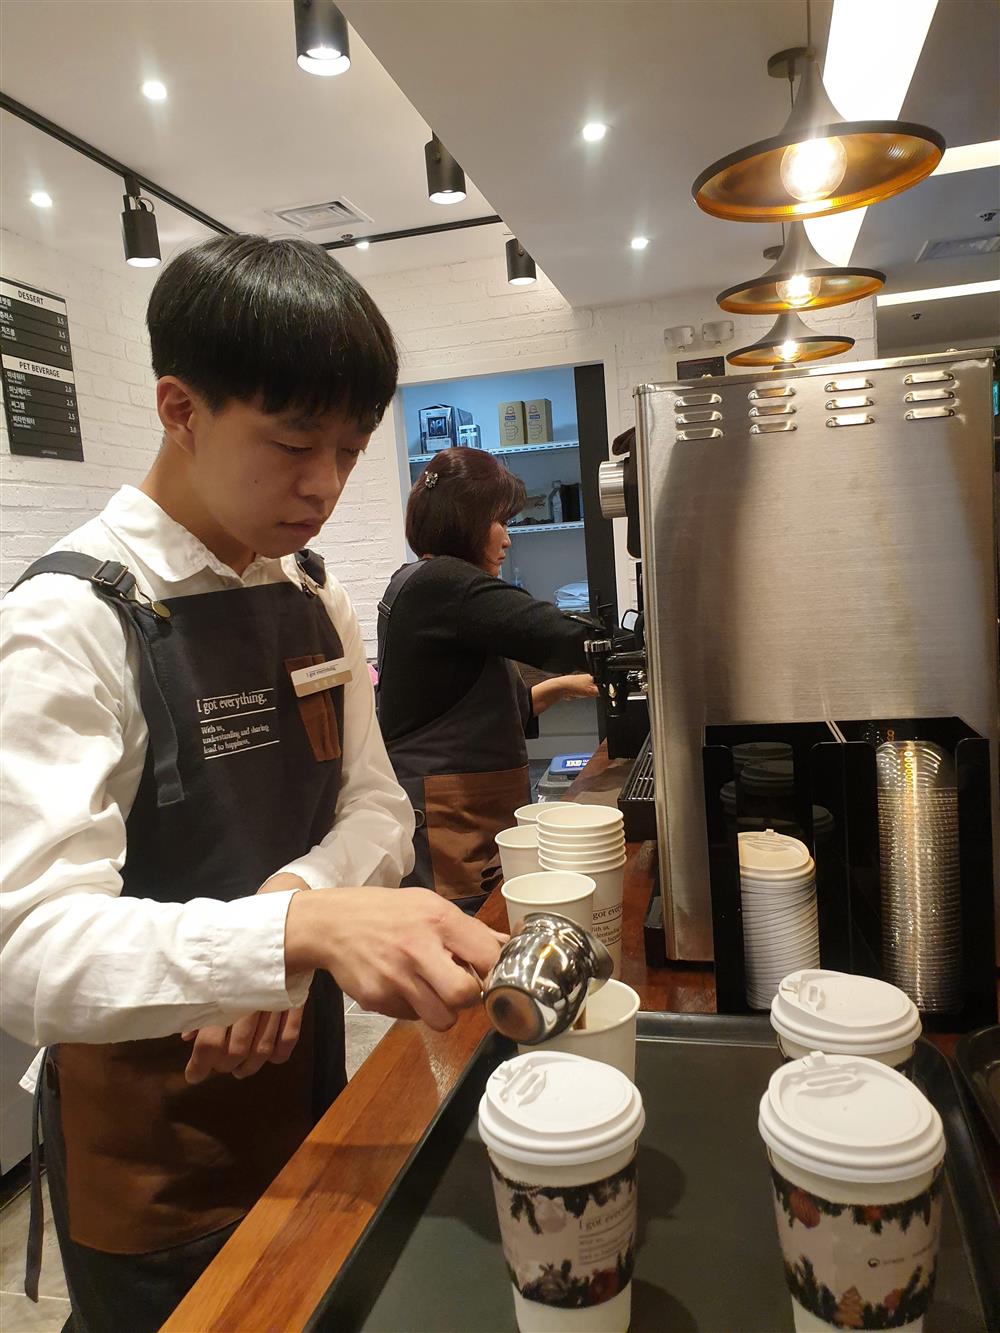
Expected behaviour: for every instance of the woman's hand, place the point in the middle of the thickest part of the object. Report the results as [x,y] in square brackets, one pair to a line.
[549,692]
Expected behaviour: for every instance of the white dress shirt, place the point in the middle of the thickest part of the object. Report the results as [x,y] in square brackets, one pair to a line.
[78,961]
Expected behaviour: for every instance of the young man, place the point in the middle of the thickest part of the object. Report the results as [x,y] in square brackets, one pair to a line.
[190,762]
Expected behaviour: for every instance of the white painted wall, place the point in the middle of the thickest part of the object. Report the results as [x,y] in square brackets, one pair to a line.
[451,321]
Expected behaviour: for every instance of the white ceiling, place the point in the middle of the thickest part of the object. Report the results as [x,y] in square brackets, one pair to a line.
[243,131]
[507,86]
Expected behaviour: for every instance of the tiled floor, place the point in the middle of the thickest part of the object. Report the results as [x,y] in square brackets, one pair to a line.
[17,1313]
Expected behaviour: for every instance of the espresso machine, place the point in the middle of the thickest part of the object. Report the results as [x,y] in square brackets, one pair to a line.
[819,571]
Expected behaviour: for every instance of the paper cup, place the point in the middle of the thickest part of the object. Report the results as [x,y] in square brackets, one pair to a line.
[553,1125]
[518,848]
[822,1010]
[571,815]
[855,1152]
[528,814]
[608,877]
[585,837]
[580,860]
[609,1031]
[559,891]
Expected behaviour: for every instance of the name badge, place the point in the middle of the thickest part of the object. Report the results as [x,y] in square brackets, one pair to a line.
[322,676]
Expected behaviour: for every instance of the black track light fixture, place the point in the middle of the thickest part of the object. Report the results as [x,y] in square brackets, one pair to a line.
[139,235]
[520,265]
[322,44]
[445,178]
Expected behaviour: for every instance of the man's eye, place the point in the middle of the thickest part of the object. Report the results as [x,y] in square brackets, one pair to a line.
[292,448]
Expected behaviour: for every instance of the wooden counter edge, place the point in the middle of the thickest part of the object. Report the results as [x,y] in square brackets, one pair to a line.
[274,1269]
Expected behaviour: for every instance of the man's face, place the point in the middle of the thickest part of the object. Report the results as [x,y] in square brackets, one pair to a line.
[270,481]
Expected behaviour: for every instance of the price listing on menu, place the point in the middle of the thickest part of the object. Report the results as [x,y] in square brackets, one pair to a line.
[39,387]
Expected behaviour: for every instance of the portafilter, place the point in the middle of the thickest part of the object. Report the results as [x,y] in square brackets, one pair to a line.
[539,983]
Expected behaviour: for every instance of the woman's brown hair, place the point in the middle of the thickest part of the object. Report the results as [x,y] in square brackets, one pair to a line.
[455,500]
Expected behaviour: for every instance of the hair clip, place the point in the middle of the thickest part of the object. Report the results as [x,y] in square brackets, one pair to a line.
[430,480]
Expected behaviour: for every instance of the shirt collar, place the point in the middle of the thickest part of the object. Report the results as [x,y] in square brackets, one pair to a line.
[165,546]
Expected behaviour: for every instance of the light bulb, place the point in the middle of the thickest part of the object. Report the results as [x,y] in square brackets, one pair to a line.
[798,290]
[788,350]
[325,61]
[362,245]
[41,199]
[447,196]
[813,169]
[594,131]
[154,90]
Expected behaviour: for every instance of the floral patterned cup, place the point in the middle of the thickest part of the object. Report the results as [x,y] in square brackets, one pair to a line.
[855,1153]
[562,1135]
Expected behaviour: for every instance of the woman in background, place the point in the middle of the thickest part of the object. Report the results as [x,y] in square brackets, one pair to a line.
[453,709]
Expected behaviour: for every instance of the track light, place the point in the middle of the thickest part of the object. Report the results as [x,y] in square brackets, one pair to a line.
[321,41]
[788,342]
[520,265]
[445,178]
[818,164]
[799,279]
[139,236]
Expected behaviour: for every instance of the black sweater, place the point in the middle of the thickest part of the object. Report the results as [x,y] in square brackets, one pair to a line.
[448,619]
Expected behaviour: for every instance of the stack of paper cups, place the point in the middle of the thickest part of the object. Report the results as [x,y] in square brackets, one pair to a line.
[780,925]
[590,840]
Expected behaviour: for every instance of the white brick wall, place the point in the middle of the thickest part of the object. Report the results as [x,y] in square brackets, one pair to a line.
[455,319]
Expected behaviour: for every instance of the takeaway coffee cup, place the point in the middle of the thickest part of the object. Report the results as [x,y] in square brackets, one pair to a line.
[518,848]
[528,814]
[605,1030]
[856,1153]
[816,1009]
[560,891]
[561,1133]
[609,883]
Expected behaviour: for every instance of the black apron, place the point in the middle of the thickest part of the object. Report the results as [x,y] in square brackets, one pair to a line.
[241,777]
[465,772]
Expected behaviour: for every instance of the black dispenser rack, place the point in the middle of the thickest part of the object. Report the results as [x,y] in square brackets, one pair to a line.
[832,806]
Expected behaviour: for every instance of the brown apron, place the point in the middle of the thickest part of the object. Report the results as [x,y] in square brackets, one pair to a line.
[241,777]
[466,772]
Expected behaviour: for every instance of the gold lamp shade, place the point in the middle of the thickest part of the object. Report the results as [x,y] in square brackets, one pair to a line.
[789,342]
[820,164]
[800,279]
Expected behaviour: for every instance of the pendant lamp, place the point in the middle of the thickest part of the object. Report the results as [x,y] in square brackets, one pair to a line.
[819,164]
[788,343]
[800,279]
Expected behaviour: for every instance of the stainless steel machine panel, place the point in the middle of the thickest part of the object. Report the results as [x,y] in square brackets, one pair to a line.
[817,544]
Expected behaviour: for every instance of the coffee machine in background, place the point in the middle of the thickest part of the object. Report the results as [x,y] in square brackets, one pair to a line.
[819,572]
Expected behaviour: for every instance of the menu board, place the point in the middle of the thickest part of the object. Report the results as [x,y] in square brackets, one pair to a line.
[39,387]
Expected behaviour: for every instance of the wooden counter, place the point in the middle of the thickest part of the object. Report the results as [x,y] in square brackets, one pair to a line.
[274,1270]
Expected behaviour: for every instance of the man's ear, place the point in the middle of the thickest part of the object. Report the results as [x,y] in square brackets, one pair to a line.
[178,407]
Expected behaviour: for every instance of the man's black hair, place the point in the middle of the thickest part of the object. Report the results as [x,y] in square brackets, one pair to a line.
[274,321]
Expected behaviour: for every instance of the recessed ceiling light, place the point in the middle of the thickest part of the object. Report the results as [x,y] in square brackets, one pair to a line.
[938,293]
[639,242]
[362,245]
[154,90]
[40,199]
[594,131]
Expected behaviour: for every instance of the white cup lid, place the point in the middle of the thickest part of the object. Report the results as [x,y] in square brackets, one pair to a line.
[552,1108]
[843,1014]
[850,1118]
[770,855]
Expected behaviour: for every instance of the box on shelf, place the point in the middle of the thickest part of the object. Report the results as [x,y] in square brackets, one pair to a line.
[470,437]
[440,426]
[538,421]
[512,428]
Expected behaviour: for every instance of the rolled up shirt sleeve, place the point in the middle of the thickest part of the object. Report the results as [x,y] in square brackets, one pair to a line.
[371,838]
[78,961]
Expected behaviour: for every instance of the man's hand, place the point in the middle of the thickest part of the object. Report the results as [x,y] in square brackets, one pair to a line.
[549,692]
[240,1050]
[402,952]
[253,1041]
